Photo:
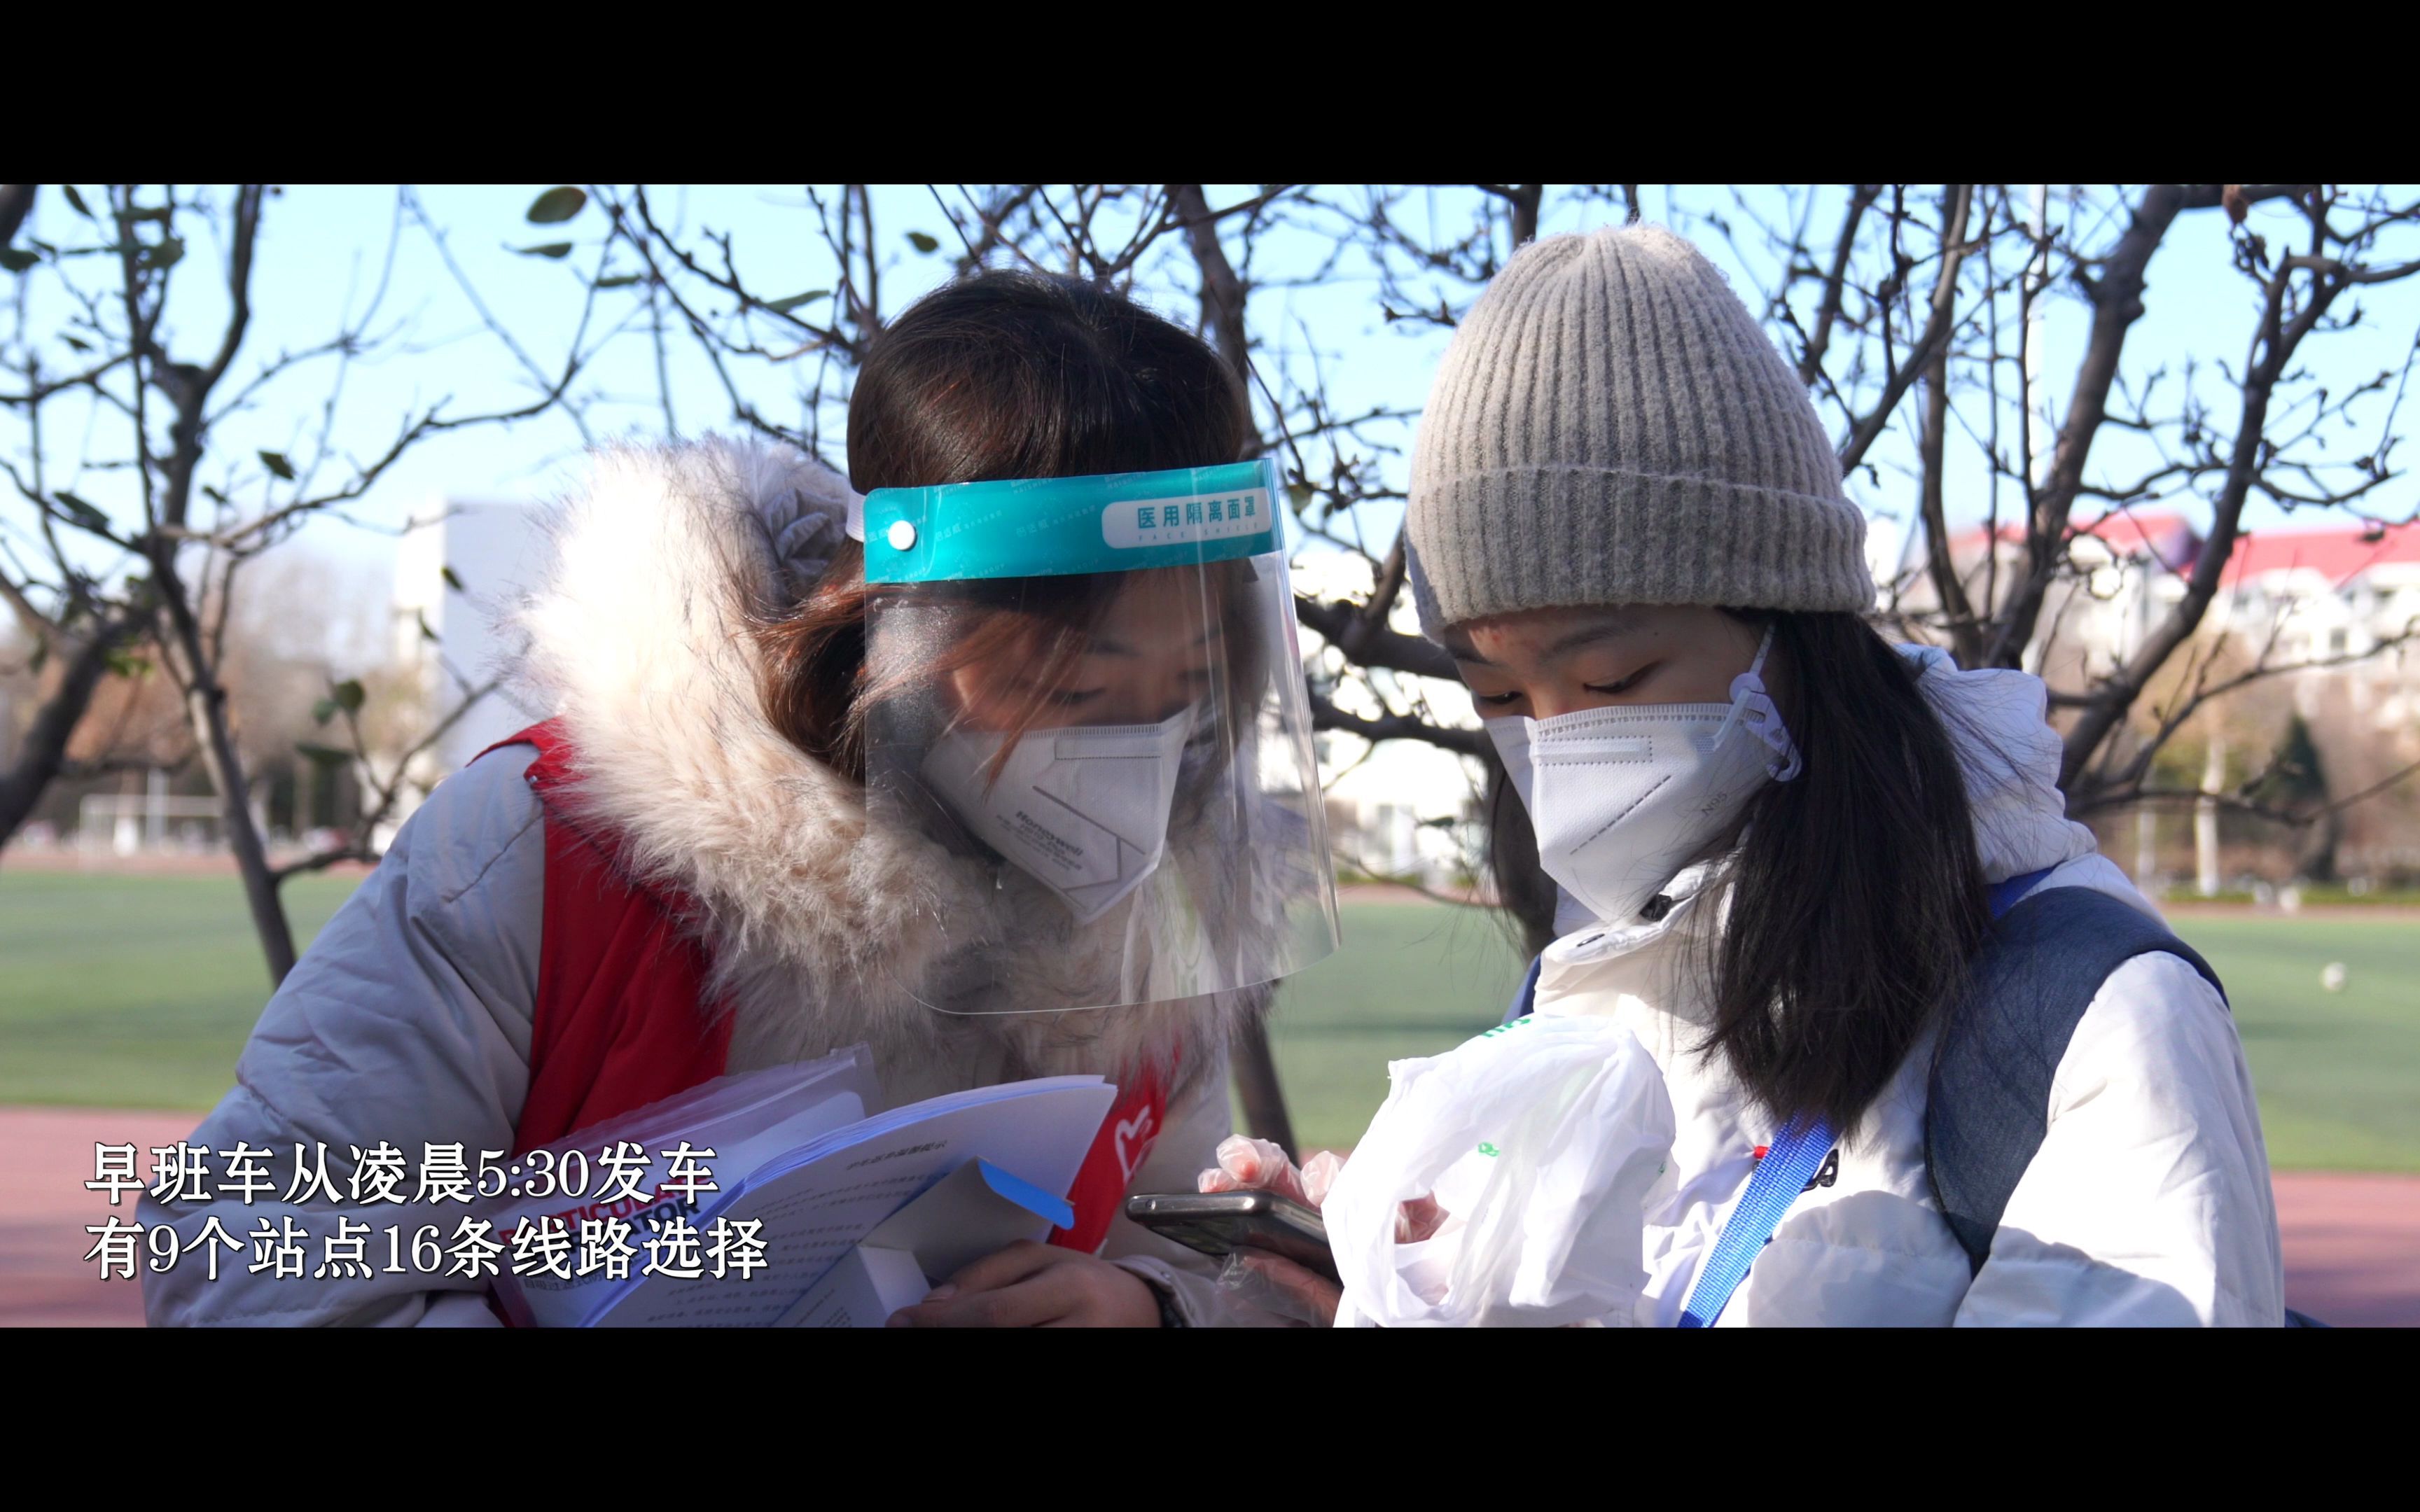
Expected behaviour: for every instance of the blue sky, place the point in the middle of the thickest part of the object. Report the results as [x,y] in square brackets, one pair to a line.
[322,247]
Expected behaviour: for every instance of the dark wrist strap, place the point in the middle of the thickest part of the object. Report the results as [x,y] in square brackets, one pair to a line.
[1170,1315]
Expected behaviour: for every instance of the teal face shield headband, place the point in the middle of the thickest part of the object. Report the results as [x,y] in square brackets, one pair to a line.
[1050,527]
[1088,693]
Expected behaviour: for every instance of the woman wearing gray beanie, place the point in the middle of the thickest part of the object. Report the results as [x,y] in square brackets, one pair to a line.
[1932,1059]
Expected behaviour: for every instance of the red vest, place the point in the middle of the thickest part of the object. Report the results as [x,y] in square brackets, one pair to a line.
[620,1021]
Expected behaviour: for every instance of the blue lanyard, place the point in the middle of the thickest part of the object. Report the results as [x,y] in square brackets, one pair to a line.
[1780,1177]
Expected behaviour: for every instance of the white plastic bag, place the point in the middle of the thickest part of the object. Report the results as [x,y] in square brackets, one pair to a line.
[1541,1139]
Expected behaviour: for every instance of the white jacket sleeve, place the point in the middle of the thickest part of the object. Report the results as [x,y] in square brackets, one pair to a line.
[2148,1202]
[407,1022]
[1188,1146]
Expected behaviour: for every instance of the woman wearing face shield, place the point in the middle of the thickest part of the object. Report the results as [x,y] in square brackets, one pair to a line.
[954,758]
[1829,883]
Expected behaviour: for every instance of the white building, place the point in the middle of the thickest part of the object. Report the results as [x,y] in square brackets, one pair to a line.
[2335,600]
[2330,610]
[445,630]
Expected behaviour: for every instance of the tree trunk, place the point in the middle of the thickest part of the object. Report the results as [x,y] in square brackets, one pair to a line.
[1257,1088]
[1222,293]
[1526,199]
[2213,775]
[206,710]
[2278,340]
[1222,312]
[206,714]
[46,743]
[15,201]
[2116,300]
[2317,861]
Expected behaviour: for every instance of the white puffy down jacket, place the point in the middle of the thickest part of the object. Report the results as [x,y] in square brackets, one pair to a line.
[2148,1202]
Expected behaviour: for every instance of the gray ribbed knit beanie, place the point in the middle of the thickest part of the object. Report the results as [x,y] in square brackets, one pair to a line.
[1610,426]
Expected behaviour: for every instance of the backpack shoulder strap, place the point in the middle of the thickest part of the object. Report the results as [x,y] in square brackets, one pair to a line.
[1987,1103]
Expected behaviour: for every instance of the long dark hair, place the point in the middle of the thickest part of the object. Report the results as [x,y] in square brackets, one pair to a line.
[1005,374]
[1856,895]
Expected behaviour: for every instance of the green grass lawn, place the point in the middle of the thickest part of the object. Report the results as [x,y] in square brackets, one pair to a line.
[1411,978]
[2338,1074]
[137,992]
[133,991]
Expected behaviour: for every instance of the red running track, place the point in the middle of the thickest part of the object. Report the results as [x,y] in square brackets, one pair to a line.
[2352,1242]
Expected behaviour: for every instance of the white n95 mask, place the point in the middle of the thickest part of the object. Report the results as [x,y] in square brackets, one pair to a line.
[1622,798]
[1082,809]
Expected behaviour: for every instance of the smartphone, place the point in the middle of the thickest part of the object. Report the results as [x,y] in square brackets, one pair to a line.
[1221,1223]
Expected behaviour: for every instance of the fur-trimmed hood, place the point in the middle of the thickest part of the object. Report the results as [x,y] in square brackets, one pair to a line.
[822,926]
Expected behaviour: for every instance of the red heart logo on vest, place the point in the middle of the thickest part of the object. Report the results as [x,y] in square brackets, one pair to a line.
[1135,1136]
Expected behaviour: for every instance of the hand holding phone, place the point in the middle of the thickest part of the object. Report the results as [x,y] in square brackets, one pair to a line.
[1221,1223]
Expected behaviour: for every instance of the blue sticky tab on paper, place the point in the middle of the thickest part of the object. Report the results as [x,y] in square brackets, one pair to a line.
[1026,1195]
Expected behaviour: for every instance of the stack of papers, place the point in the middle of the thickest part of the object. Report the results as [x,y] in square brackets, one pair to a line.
[799,1150]
[958,1220]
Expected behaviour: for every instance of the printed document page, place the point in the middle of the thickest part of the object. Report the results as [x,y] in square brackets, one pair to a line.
[819,1202]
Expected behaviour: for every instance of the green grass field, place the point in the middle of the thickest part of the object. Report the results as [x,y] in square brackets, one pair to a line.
[137,992]
[1412,979]
[2338,1074]
[133,991]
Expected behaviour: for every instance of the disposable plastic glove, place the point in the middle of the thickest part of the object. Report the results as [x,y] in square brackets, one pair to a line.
[1245,1164]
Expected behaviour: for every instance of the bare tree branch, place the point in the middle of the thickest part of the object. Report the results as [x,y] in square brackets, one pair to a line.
[1325,714]
[1827,309]
[2298,818]
[1374,646]
[1223,295]
[41,753]
[2274,351]
[1939,325]
[2117,300]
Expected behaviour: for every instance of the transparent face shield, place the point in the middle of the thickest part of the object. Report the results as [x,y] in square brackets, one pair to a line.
[1089,689]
